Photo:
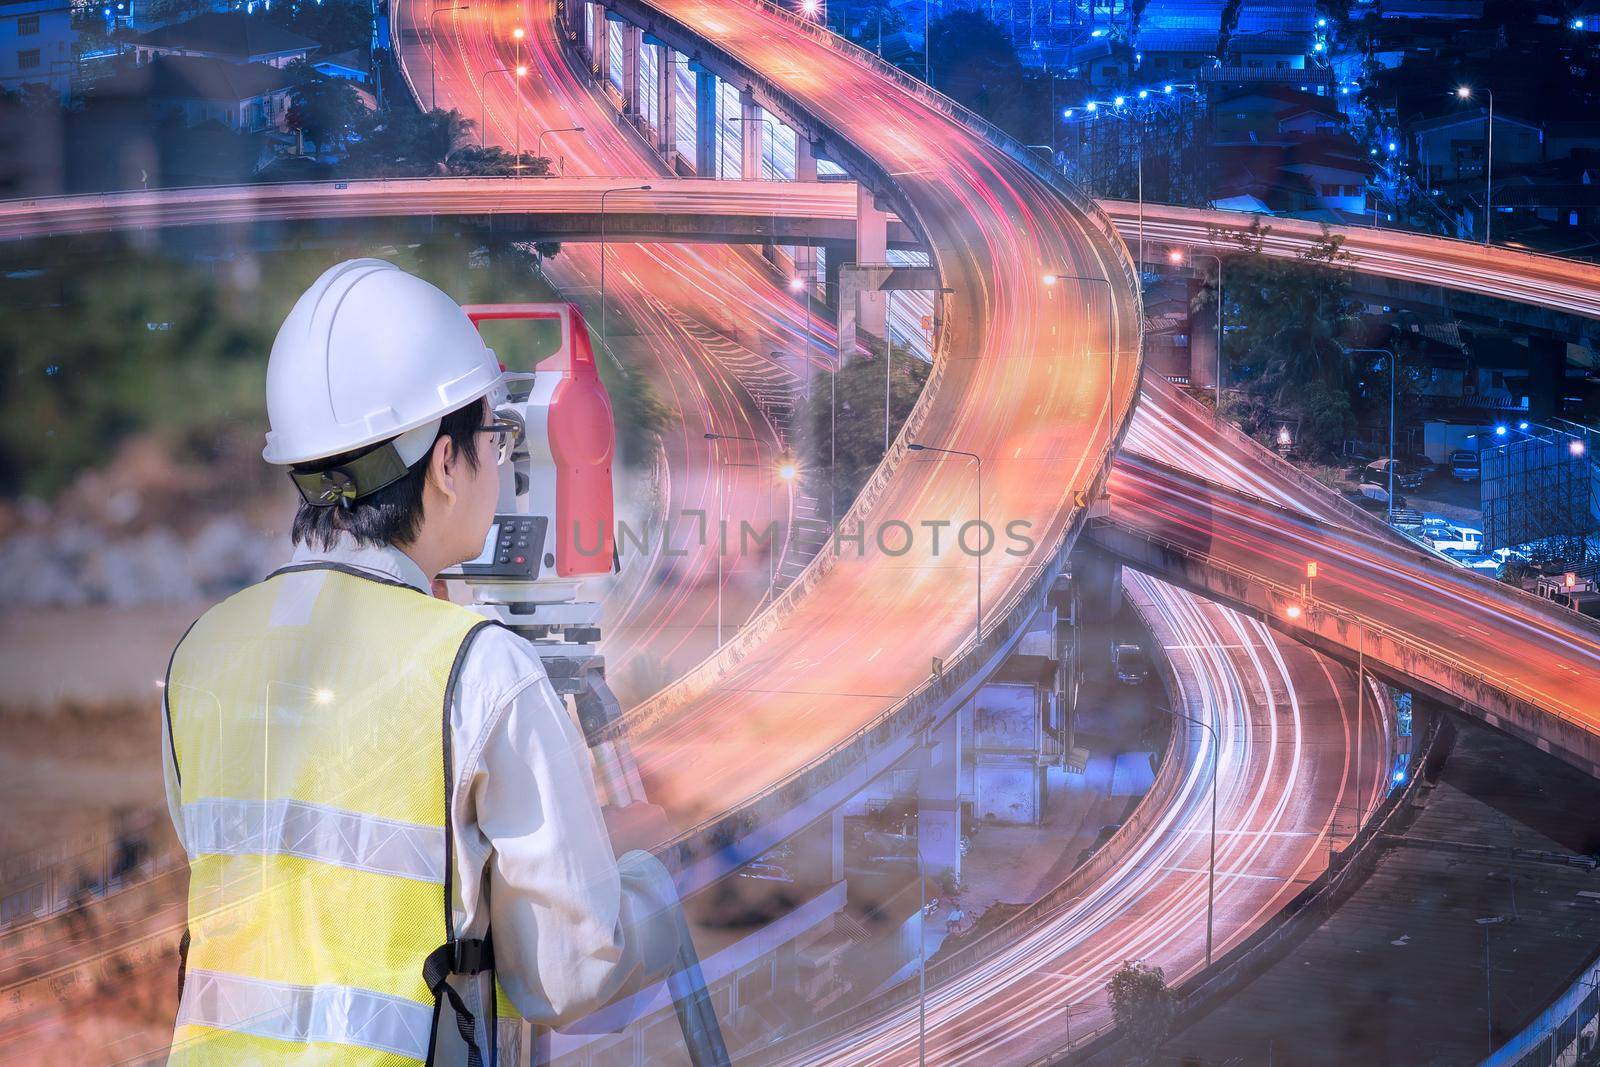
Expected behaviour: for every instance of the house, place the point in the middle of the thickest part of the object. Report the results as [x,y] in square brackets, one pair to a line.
[36,45]
[1451,147]
[1273,114]
[1276,36]
[351,66]
[1319,177]
[245,97]
[1177,38]
[231,36]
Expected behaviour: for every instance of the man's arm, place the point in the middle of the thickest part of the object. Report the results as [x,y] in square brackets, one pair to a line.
[573,927]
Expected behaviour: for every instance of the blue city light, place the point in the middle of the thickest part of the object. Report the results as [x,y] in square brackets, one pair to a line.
[1067,114]
[1144,94]
[1523,425]
[1091,106]
[1119,101]
[1499,431]
[1166,88]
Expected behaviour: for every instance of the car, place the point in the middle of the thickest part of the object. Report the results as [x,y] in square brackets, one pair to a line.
[1376,496]
[1131,664]
[1460,538]
[1464,465]
[1377,473]
[1476,561]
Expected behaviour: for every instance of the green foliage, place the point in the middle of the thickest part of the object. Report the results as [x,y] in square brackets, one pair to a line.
[400,142]
[973,61]
[858,438]
[322,108]
[337,25]
[494,161]
[1289,323]
[1142,1007]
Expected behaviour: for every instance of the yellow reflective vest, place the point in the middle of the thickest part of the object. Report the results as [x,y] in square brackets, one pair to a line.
[309,719]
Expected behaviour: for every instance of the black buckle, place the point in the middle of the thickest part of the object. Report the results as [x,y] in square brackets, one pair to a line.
[471,956]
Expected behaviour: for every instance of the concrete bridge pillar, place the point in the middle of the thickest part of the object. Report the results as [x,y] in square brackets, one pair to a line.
[872,246]
[938,801]
[705,123]
[666,89]
[819,850]
[1097,577]
[805,158]
[601,50]
[752,137]
[632,42]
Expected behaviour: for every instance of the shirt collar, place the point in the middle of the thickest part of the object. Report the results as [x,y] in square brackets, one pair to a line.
[385,561]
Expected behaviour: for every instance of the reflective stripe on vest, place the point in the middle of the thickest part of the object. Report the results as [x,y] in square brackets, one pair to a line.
[309,718]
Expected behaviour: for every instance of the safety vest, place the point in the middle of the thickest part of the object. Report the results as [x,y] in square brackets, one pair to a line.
[310,726]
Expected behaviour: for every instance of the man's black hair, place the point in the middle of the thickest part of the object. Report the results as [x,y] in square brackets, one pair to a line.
[393,514]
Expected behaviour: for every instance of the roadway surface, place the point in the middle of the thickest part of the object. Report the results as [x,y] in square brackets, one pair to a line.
[1300,765]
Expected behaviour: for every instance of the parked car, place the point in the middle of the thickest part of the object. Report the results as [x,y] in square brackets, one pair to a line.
[1376,497]
[1459,538]
[1473,560]
[1377,473]
[1464,465]
[1131,664]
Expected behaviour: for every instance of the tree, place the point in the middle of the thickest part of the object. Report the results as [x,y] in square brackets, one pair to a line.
[857,438]
[1289,324]
[321,107]
[494,161]
[337,25]
[400,142]
[1142,1007]
[974,62]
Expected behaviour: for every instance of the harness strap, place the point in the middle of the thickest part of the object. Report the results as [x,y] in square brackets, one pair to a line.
[464,956]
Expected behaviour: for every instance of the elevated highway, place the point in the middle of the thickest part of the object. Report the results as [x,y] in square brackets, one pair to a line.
[1517,662]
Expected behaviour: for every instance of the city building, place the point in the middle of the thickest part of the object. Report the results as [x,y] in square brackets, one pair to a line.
[231,36]
[1452,147]
[37,45]
[246,97]
[1176,39]
[351,66]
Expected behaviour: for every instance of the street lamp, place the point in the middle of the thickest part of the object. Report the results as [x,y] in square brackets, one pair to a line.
[517,73]
[603,195]
[1216,772]
[977,633]
[433,53]
[1175,257]
[786,470]
[1393,372]
[538,148]
[1465,93]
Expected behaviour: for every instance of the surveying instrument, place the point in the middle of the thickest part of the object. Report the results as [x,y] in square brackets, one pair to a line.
[554,528]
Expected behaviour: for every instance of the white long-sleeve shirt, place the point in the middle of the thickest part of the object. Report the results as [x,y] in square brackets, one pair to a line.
[573,926]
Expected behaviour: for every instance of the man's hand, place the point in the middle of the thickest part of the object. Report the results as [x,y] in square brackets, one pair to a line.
[643,826]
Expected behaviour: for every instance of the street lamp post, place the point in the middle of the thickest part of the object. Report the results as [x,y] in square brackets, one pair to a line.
[1216,772]
[433,53]
[516,73]
[977,460]
[1465,93]
[1488,973]
[538,148]
[1394,371]
[603,195]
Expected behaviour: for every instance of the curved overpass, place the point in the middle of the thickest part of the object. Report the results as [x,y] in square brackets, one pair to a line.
[835,675]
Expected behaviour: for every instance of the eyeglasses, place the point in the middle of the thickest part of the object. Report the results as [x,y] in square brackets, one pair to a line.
[507,430]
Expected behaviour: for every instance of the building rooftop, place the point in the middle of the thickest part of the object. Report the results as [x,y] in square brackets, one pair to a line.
[193,78]
[228,34]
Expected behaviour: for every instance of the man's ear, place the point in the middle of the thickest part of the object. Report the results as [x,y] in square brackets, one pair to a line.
[444,465]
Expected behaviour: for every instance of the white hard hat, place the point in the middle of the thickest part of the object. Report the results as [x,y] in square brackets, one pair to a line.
[368,353]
